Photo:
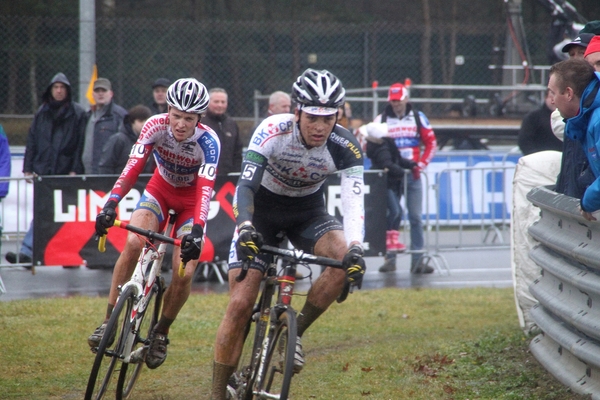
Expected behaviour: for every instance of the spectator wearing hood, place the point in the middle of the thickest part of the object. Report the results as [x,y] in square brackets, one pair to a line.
[54,144]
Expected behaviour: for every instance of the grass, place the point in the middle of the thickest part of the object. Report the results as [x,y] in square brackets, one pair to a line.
[381,344]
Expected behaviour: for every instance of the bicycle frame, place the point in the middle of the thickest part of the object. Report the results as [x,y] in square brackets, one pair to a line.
[284,286]
[142,282]
[254,379]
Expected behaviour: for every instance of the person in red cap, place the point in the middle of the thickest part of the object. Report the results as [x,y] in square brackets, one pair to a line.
[592,53]
[410,129]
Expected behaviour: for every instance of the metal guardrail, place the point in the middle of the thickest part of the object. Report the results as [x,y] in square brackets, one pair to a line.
[568,292]
[378,95]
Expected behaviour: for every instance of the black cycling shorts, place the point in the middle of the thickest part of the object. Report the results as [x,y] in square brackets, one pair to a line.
[303,220]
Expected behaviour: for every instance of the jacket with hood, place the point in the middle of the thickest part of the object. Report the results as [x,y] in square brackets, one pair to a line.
[115,152]
[585,127]
[55,139]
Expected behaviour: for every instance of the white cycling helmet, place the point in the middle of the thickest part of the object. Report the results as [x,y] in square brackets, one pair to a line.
[318,92]
[188,95]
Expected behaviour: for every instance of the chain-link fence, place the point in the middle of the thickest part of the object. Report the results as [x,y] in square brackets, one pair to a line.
[246,56]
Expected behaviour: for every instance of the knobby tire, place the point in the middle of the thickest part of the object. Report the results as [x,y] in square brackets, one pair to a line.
[279,364]
[130,372]
[108,357]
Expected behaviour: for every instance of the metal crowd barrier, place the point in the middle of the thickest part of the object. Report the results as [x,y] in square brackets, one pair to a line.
[467,208]
[568,291]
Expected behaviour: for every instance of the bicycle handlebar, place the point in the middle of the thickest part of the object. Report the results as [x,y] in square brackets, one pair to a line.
[147,233]
[301,256]
[295,255]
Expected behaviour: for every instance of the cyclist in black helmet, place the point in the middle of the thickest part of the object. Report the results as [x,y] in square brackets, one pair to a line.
[186,154]
[280,190]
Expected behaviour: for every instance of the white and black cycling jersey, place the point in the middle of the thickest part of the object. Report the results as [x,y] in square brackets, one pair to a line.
[279,161]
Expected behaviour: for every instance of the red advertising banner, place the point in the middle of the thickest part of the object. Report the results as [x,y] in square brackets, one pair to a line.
[65,209]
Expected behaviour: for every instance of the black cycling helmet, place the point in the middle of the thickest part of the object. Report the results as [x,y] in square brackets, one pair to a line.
[188,95]
[318,92]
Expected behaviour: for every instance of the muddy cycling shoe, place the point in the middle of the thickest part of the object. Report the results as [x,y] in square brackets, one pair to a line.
[157,353]
[95,338]
[299,356]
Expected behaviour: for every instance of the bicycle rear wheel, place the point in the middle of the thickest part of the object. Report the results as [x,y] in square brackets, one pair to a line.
[129,371]
[108,356]
[279,364]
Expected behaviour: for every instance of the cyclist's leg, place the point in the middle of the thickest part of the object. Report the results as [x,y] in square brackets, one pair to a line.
[182,201]
[329,284]
[124,266]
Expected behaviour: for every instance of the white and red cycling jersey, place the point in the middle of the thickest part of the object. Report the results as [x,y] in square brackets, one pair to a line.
[189,163]
[407,137]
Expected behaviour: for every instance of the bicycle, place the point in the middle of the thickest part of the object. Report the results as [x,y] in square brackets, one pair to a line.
[266,364]
[141,296]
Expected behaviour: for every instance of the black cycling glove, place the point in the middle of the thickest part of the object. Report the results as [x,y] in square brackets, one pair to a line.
[354,265]
[191,245]
[248,243]
[106,218]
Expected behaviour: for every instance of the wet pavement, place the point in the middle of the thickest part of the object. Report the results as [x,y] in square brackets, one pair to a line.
[473,268]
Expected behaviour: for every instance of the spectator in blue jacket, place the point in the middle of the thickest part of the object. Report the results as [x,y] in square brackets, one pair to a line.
[574,87]
[4,166]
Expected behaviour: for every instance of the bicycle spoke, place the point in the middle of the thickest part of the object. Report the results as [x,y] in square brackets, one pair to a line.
[130,372]
[109,355]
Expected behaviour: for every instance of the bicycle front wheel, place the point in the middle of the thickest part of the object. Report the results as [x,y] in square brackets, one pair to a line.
[108,355]
[149,317]
[279,364]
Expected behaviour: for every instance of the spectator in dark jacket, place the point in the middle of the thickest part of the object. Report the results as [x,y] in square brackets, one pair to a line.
[159,95]
[227,130]
[115,152]
[54,144]
[55,138]
[104,119]
[536,132]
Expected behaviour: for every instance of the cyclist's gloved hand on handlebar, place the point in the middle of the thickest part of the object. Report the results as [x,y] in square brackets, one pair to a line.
[191,245]
[354,265]
[249,243]
[106,218]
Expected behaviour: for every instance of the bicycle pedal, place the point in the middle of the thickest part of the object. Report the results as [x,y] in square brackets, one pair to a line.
[138,356]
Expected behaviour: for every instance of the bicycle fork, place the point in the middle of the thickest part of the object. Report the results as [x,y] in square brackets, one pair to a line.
[284,297]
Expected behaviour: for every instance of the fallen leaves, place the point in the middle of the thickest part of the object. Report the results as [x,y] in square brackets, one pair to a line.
[430,366]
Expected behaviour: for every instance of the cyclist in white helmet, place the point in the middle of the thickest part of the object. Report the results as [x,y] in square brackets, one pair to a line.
[186,154]
[281,190]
